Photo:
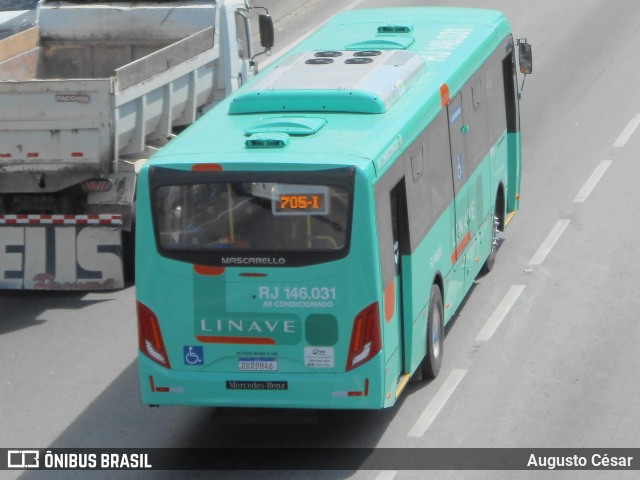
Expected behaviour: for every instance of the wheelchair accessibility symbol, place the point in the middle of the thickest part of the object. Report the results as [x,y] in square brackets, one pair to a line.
[193,355]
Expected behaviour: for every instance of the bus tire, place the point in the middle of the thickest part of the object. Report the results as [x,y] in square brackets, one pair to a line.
[432,362]
[496,227]
[491,259]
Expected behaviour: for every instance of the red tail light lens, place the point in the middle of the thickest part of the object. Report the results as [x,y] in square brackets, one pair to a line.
[150,337]
[366,340]
[97,185]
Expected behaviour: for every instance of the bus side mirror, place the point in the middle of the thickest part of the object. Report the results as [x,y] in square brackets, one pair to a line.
[526,57]
[265,24]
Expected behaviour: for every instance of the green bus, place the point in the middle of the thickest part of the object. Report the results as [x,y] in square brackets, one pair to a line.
[304,243]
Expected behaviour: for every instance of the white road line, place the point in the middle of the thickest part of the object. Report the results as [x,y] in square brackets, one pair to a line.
[595,177]
[265,63]
[387,475]
[627,132]
[500,313]
[549,242]
[437,403]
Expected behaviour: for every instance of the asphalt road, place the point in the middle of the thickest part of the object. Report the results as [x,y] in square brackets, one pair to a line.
[544,353]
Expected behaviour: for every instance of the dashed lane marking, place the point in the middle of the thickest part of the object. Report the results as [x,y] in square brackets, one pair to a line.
[500,313]
[437,403]
[595,177]
[624,137]
[549,242]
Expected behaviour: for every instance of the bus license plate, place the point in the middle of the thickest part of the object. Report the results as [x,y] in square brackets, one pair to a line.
[258,364]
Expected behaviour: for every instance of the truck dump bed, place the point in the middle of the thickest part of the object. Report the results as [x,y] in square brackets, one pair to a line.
[90,86]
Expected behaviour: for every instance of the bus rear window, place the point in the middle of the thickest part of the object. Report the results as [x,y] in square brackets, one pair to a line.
[257,217]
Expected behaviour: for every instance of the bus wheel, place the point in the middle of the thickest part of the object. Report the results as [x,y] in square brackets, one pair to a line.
[435,335]
[495,241]
[496,228]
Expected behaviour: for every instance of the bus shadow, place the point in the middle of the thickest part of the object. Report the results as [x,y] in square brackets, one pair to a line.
[118,419]
[23,308]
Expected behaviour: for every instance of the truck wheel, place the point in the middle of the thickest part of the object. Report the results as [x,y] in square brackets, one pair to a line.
[129,250]
[128,256]
[435,336]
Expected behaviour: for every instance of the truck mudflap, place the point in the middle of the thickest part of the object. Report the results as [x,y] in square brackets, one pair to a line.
[61,252]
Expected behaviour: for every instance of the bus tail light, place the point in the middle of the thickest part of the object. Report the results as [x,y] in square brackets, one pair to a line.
[366,340]
[150,337]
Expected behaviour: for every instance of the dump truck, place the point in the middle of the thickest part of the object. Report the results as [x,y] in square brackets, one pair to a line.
[86,96]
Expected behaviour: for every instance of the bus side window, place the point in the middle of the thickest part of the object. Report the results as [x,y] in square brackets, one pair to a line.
[417,174]
[399,223]
[395,228]
[496,109]
[475,117]
[391,208]
[438,165]
[510,89]
[430,191]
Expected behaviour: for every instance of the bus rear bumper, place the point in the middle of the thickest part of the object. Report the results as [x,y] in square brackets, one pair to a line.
[359,389]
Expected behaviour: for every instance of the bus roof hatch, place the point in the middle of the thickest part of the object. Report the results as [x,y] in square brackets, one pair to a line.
[366,81]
